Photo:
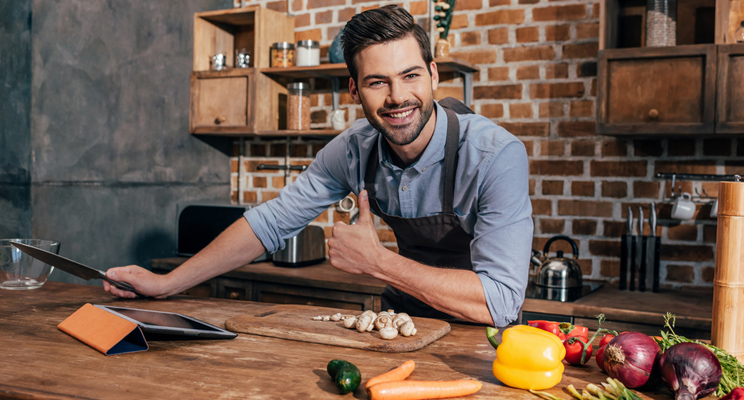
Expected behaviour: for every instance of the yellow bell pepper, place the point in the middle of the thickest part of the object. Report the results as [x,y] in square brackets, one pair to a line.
[529,358]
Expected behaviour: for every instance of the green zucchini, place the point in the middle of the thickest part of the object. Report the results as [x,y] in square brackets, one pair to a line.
[345,375]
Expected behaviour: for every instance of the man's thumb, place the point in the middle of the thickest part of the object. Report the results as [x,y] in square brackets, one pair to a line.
[365,215]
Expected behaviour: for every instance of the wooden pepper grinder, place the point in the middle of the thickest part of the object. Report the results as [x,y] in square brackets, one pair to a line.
[727,330]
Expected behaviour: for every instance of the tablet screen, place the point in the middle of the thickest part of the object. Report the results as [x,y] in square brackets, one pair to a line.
[162,319]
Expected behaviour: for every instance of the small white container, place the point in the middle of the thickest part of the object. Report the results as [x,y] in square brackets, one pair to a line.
[308,53]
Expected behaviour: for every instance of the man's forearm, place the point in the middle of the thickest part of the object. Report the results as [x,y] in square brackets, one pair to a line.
[456,292]
[237,246]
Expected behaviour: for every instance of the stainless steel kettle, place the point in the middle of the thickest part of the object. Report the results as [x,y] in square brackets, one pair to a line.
[559,277]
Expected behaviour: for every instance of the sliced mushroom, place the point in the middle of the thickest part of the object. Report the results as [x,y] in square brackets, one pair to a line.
[388,333]
[336,317]
[408,329]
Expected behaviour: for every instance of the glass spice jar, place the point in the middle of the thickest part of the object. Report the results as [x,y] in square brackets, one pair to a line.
[282,54]
[308,53]
[298,106]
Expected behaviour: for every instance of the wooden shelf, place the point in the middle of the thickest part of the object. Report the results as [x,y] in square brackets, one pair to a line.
[445,64]
[279,133]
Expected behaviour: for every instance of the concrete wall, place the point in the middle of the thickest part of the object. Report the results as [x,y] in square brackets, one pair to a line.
[15,118]
[108,153]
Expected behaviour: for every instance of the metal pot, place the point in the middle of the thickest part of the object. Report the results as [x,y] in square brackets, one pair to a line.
[307,248]
[558,278]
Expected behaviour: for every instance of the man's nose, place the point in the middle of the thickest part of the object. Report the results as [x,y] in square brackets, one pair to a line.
[397,94]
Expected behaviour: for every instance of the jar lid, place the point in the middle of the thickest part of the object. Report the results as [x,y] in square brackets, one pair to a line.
[298,86]
[313,44]
[283,45]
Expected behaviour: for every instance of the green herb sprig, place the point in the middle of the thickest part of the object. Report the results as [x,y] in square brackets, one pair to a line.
[733,370]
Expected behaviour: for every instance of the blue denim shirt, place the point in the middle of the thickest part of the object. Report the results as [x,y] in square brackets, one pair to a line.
[491,198]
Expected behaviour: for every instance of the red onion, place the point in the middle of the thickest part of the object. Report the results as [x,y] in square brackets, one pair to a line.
[630,358]
[690,371]
[599,358]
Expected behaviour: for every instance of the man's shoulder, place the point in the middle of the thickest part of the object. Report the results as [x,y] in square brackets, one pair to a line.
[484,134]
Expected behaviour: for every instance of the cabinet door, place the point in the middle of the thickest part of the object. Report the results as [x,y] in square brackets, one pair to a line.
[730,106]
[668,90]
[219,101]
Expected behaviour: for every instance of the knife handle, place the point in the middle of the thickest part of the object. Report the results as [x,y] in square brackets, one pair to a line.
[122,285]
[643,266]
[624,258]
[633,256]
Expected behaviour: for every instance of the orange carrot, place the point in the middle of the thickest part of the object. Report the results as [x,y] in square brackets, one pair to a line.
[417,390]
[398,374]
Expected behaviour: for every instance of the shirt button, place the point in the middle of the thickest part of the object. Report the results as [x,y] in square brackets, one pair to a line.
[405,188]
[424,169]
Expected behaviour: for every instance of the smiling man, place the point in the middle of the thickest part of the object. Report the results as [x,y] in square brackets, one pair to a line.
[452,185]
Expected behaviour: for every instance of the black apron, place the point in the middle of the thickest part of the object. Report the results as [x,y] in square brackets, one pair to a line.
[437,240]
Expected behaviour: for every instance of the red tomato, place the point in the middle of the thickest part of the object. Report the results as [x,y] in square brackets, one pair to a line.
[606,339]
[575,347]
[599,358]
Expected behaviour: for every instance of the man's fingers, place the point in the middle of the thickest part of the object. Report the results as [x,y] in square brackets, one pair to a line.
[365,216]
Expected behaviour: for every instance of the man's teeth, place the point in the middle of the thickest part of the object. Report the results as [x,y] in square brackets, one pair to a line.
[401,115]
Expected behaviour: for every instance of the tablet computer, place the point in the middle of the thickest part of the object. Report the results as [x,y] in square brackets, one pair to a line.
[169,326]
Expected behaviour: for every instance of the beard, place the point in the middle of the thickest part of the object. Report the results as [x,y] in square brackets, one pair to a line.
[401,135]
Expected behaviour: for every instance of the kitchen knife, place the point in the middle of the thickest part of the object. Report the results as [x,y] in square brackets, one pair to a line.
[631,284]
[642,240]
[655,251]
[625,251]
[72,267]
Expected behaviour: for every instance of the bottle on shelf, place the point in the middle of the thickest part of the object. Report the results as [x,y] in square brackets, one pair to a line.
[739,34]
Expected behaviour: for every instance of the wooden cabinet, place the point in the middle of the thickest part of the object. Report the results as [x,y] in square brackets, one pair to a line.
[730,87]
[235,102]
[657,90]
[226,102]
[688,89]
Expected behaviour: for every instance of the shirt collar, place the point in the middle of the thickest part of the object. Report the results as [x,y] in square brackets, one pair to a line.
[434,151]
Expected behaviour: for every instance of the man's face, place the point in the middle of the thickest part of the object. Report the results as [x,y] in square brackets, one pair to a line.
[395,89]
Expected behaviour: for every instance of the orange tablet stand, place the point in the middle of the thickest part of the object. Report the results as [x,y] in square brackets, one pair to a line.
[103,331]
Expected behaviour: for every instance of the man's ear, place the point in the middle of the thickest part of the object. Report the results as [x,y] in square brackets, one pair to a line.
[354,91]
[434,76]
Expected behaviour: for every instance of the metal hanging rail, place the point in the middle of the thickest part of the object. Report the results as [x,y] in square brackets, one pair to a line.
[698,177]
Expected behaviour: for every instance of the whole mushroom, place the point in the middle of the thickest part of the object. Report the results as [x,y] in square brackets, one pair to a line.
[400,319]
[366,321]
[388,333]
[350,321]
[408,329]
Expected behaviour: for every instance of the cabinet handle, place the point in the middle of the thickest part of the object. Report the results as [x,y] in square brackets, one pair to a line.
[233,296]
[653,113]
[219,120]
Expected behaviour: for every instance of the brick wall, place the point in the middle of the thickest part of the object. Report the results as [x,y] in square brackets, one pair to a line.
[537,78]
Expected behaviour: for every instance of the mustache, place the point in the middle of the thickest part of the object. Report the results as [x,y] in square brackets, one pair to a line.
[405,104]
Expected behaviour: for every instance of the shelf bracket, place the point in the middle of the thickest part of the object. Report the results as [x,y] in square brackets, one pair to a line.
[335,90]
[467,87]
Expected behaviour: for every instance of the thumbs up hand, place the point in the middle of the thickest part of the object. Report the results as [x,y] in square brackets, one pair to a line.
[353,248]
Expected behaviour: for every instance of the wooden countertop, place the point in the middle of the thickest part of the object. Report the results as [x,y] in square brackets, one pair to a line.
[40,361]
[692,307]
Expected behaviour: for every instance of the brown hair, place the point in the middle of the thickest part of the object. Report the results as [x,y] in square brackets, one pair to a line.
[381,25]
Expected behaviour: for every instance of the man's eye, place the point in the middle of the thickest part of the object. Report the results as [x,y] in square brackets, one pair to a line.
[412,76]
[376,83]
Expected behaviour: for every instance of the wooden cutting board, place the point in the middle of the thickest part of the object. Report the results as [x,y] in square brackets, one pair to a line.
[295,322]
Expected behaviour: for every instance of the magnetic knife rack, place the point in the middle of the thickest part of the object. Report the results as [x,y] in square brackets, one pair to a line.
[695,177]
